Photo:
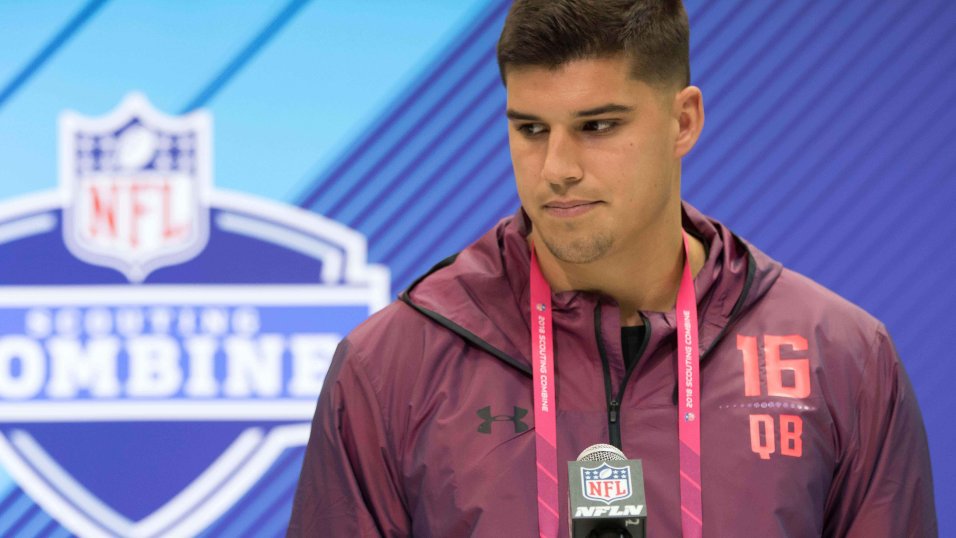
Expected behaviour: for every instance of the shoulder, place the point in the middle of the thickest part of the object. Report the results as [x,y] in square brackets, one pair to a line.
[841,340]
[395,349]
[395,337]
[846,343]
[849,350]
[381,366]
[840,326]
[839,333]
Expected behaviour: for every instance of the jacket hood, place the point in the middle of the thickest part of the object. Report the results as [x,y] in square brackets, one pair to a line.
[483,294]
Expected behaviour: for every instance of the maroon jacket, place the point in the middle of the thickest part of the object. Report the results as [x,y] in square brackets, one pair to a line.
[809,424]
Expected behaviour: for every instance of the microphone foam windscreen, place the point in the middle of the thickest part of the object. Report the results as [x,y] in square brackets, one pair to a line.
[601,452]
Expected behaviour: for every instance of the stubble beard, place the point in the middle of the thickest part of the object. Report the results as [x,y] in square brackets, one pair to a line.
[579,250]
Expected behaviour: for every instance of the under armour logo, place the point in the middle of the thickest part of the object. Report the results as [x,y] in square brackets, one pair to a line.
[485,414]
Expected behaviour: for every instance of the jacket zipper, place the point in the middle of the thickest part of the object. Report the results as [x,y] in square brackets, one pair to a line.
[613,426]
[614,404]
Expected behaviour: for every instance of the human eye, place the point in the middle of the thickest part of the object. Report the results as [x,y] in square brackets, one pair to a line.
[599,126]
[531,129]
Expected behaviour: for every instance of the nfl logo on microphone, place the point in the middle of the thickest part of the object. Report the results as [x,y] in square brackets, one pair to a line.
[606,483]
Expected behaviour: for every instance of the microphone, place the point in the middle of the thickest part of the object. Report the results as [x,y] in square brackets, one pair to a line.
[606,494]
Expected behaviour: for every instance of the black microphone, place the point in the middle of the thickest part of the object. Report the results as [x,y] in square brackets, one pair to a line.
[606,494]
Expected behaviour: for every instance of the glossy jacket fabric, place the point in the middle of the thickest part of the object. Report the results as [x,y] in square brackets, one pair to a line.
[809,424]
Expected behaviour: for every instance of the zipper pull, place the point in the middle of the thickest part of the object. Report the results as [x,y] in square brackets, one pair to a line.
[612,411]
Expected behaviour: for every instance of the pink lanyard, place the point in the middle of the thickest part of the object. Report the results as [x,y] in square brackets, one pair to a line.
[688,418]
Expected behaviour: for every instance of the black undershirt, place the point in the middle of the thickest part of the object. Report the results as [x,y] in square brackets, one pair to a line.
[631,339]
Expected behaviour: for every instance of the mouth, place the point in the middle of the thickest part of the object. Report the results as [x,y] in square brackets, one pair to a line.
[569,208]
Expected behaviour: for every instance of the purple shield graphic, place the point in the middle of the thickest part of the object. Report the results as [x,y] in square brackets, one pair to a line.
[162,344]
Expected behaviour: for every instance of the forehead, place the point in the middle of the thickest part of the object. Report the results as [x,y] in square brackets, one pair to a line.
[576,85]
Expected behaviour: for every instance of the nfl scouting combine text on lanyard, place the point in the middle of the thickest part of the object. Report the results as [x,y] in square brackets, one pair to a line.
[688,359]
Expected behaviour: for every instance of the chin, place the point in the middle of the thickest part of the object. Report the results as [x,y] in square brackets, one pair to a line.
[579,251]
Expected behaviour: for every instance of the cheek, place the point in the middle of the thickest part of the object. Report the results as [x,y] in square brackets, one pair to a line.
[641,176]
[524,153]
[524,179]
[650,160]
[626,162]
[523,186]
[527,165]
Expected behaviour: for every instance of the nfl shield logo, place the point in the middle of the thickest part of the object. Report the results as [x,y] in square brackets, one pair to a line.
[174,397]
[136,184]
[606,483]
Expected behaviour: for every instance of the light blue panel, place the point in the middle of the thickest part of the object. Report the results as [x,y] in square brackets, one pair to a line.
[320,84]
[25,28]
[6,483]
[166,49]
[289,110]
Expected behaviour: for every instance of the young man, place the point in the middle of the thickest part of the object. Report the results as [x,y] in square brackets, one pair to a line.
[428,421]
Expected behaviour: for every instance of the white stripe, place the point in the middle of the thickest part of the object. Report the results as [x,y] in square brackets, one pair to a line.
[158,294]
[125,410]
[19,229]
[331,258]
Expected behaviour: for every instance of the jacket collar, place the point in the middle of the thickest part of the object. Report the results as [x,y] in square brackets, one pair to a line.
[482,294]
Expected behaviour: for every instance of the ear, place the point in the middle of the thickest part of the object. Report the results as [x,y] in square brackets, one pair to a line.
[688,110]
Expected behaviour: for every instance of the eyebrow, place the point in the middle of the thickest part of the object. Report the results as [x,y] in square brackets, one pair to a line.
[515,115]
[604,109]
[596,111]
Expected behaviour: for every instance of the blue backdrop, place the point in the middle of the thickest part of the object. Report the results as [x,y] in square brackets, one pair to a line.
[828,143]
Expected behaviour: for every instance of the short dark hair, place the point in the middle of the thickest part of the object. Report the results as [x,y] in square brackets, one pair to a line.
[654,34]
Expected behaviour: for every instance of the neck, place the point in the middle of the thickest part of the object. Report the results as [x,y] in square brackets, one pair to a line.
[643,277]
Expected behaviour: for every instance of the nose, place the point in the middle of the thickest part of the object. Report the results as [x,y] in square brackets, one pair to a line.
[561,166]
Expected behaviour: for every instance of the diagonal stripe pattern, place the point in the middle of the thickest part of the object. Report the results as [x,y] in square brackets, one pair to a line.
[692,512]
[827,144]
[221,79]
[50,49]
[815,149]
[20,516]
[436,166]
